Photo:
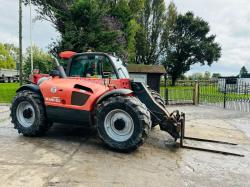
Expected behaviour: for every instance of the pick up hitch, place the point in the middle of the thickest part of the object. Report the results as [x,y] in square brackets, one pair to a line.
[181,121]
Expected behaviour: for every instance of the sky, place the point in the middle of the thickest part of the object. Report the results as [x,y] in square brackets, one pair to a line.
[229,20]
[43,32]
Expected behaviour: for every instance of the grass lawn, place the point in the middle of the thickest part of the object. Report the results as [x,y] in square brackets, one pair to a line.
[178,93]
[208,94]
[7,91]
[211,94]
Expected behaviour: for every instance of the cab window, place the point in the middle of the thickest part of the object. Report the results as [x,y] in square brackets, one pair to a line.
[108,70]
[95,66]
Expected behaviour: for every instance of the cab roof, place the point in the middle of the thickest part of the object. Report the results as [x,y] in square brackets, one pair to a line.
[70,54]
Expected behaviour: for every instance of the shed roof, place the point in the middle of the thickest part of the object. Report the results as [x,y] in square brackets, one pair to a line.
[229,77]
[141,68]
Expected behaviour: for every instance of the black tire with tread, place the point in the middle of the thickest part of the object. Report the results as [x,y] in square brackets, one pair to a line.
[160,101]
[139,113]
[41,125]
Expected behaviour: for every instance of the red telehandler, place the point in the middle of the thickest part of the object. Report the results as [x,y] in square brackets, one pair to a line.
[96,90]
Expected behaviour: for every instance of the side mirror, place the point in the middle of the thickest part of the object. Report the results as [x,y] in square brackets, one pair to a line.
[54,73]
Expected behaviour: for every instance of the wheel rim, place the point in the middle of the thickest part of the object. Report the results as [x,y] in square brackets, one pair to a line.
[119,125]
[25,114]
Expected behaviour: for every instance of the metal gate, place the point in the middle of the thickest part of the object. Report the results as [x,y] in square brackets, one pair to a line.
[228,93]
[182,93]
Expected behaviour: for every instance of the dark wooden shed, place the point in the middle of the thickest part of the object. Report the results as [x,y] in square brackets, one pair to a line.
[148,74]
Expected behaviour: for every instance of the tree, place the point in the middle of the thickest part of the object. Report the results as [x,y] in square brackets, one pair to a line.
[132,29]
[139,31]
[207,75]
[169,24]
[188,43]
[216,75]
[196,76]
[41,60]
[183,77]
[6,60]
[13,51]
[243,72]
[107,25]
[148,37]
[90,28]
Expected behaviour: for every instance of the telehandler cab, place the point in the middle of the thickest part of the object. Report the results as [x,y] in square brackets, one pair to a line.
[95,90]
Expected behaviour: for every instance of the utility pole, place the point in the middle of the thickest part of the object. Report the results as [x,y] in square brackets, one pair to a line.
[20,44]
[31,43]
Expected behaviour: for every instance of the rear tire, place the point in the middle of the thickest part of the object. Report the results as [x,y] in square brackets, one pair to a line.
[157,97]
[28,114]
[123,123]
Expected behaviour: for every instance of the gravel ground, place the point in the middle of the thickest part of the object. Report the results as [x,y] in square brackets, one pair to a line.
[73,156]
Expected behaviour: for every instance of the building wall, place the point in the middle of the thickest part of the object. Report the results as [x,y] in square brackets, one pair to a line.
[243,85]
[152,80]
[244,80]
[240,85]
[139,77]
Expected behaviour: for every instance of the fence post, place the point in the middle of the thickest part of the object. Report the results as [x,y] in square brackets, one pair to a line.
[196,93]
[166,95]
[225,94]
[166,89]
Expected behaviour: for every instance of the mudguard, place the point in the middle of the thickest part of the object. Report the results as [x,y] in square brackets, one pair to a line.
[114,92]
[31,87]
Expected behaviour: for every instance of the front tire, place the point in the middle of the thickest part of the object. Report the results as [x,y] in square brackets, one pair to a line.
[28,114]
[123,123]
